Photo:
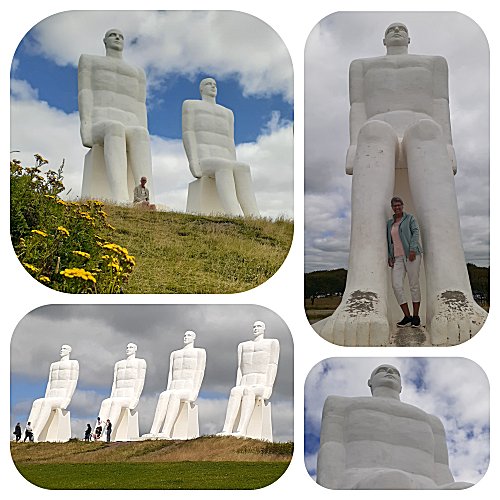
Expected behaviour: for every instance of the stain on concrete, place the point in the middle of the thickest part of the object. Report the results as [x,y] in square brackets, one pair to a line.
[409,337]
[361,302]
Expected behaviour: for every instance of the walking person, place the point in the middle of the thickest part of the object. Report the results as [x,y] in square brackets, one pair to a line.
[405,254]
[18,432]
[108,430]
[88,432]
[28,432]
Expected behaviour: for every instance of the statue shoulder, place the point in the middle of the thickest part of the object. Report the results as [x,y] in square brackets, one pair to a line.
[191,103]
[88,60]
[337,404]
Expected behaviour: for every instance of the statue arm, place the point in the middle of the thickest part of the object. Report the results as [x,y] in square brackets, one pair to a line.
[441,105]
[442,473]
[200,373]
[139,383]
[49,382]
[332,454]
[272,369]
[170,370]
[113,387]
[142,112]
[239,374]
[85,99]
[70,389]
[189,139]
[357,113]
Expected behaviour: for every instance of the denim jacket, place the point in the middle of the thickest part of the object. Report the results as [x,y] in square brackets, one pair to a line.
[409,234]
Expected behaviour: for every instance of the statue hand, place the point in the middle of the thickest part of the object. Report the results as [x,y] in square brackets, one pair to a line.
[349,163]
[452,157]
[86,135]
[194,166]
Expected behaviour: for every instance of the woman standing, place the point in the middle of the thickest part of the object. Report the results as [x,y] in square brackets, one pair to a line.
[405,255]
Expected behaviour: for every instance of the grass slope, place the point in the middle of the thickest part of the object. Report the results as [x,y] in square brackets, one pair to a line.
[204,463]
[183,253]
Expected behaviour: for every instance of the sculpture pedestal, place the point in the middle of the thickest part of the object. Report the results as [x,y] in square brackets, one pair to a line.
[57,429]
[95,183]
[260,425]
[203,197]
[186,425]
[127,427]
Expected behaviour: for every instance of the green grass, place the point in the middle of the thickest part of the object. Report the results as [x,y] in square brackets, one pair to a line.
[173,475]
[183,253]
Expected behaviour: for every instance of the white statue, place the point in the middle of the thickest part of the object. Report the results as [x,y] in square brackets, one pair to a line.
[224,184]
[378,442]
[401,145]
[49,419]
[248,412]
[113,123]
[176,415]
[119,408]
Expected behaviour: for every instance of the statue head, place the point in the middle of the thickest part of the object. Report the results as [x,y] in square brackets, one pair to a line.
[259,328]
[189,337]
[387,376]
[208,87]
[113,39]
[65,350]
[396,35]
[131,348]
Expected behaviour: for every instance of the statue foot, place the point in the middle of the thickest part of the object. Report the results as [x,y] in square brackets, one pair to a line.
[358,321]
[456,318]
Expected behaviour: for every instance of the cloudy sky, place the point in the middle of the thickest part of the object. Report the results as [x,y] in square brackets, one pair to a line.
[428,383]
[99,335]
[176,49]
[332,45]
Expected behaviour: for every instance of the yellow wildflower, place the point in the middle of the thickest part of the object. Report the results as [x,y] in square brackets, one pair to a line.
[63,230]
[37,231]
[78,273]
[31,267]
[44,279]
[82,254]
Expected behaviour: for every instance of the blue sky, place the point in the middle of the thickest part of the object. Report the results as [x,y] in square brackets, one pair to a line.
[249,61]
[431,384]
[99,335]
[333,43]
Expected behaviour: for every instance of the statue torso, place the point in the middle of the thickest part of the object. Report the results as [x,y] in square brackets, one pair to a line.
[62,373]
[128,372]
[255,361]
[185,367]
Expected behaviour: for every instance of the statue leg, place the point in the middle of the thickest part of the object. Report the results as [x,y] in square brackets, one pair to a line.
[161,409]
[361,318]
[244,190]
[247,407]
[233,405]
[453,316]
[115,158]
[139,155]
[226,189]
[104,411]
[173,406]
[39,415]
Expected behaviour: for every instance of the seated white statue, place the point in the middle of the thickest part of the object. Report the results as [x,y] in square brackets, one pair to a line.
[208,138]
[256,373]
[63,377]
[113,122]
[378,442]
[187,368]
[128,382]
[401,144]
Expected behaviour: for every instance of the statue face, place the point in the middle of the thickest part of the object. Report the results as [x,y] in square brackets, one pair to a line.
[113,39]
[208,87]
[396,35]
[131,349]
[259,328]
[385,376]
[189,337]
[65,350]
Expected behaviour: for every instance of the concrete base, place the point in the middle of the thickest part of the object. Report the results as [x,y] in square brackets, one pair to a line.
[260,425]
[127,427]
[57,429]
[203,197]
[95,183]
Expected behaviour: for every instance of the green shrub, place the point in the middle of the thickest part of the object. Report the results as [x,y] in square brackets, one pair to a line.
[62,244]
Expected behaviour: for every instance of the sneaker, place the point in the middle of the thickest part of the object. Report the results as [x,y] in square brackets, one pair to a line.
[406,320]
[415,321]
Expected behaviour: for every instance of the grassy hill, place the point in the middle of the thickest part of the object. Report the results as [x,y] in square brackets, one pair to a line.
[183,253]
[205,463]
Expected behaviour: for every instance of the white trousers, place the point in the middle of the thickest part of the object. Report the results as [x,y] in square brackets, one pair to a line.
[403,266]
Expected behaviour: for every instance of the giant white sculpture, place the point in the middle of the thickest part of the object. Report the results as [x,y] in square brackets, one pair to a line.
[248,410]
[379,442]
[113,123]
[176,415]
[223,185]
[401,144]
[120,407]
[49,418]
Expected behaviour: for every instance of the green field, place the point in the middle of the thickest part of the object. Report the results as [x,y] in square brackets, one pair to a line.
[175,475]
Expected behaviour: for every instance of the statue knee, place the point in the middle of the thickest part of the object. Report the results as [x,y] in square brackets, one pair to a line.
[114,129]
[424,130]
[137,133]
[377,131]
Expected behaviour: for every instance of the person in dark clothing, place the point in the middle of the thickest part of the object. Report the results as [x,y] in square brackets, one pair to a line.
[18,432]
[108,430]
[88,432]
[28,432]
